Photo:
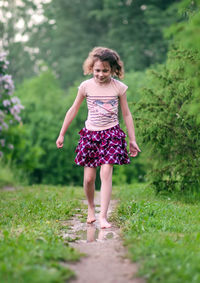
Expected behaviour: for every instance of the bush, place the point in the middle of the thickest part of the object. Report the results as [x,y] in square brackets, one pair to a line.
[10,108]
[167,128]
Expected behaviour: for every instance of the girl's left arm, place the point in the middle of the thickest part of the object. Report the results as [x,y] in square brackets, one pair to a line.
[133,147]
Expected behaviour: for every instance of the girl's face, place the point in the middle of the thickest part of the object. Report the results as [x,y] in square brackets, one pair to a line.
[102,72]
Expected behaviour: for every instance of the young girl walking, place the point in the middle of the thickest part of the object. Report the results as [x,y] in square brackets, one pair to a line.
[102,142]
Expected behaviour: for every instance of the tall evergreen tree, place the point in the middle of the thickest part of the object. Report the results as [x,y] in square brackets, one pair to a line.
[168,120]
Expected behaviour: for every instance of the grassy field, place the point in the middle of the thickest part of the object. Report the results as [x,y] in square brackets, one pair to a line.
[162,233]
[32,220]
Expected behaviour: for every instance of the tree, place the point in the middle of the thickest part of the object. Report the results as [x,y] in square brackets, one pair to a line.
[185,37]
[135,30]
[71,29]
[15,27]
[68,30]
[169,124]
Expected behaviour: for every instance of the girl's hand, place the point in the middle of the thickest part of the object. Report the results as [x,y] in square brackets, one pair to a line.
[133,148]
[60,141]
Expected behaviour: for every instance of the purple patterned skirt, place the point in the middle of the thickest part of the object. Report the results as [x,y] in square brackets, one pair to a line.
[102,147]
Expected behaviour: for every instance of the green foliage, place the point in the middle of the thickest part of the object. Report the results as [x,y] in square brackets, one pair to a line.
[136,171]
[66,36]
[14,29]
[168,118]
[62,40]
[36,154]
[185,37]
[135,80]
[31,244]
[45,107]
[135,30]
[69,30]
[170,134]
[10,108]
[160,232]
[7,177]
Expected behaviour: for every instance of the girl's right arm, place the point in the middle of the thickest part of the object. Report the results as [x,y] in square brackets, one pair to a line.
[70,115]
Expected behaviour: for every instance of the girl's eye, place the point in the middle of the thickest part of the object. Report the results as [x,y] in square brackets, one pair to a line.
[97,70]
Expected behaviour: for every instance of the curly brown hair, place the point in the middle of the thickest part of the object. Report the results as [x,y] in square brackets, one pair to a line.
[104,54]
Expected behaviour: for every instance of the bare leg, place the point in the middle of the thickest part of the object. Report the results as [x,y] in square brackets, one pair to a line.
[89,188]
[106,190]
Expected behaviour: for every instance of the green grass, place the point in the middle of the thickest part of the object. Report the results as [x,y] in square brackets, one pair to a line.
[11,175]
[7,177]
[32,220]
[161,232]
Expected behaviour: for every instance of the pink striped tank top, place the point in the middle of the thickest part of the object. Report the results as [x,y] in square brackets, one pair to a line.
[102,103]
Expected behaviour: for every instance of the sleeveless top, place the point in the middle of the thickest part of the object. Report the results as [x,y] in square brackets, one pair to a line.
[102,103]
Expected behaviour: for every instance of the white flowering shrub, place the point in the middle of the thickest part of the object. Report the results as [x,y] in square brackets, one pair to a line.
[10,106]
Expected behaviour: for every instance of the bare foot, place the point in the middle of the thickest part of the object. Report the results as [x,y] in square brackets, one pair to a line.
[91,233]
[104,223]
[91,215]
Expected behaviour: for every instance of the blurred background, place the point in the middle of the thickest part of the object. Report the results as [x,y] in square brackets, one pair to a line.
[43,46]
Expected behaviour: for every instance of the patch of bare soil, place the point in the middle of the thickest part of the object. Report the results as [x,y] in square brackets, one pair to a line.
[105,256]
[8,188]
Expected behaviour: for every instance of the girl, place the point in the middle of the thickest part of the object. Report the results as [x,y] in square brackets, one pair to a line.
[102,142]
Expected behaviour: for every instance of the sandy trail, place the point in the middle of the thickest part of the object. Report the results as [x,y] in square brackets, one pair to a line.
[105,260]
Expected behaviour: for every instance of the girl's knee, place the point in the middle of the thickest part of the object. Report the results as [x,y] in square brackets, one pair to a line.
[89,180]
[106,172]
[89,176]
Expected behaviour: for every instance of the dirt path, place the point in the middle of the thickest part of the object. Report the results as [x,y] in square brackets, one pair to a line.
[105,260]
